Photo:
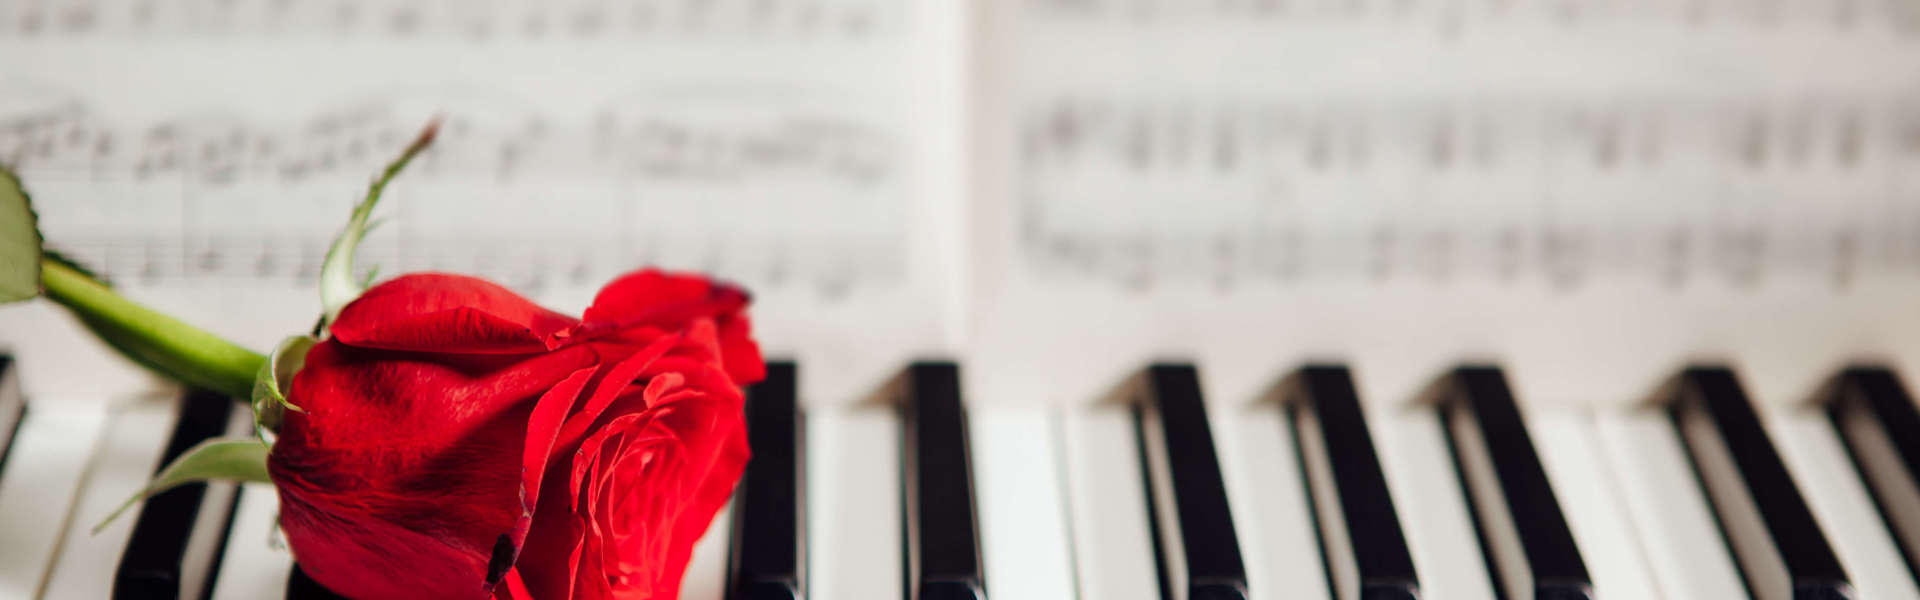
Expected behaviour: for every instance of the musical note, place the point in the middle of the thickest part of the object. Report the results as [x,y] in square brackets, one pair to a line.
[824,20]
[1453,19]
[1099,169]
[656,146]
[223,198]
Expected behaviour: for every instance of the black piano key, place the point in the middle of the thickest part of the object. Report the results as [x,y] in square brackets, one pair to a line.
[1199,553]
[1878,423]
[1360,536]
[942,540]
[302,587]
[1529,547]
[1776,543]
[150,567]
[769,531]
[13,407]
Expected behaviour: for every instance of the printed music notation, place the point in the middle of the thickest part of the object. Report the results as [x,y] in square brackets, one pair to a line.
[827,269]
[783,198]
[1233,134]
[474,20]
[634,144]
[1457,16]
[1140,191]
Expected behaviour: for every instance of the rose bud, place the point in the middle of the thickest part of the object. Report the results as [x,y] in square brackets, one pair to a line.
[458,441]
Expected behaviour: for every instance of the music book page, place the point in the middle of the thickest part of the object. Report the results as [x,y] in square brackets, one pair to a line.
[1052,191]
[203,153]
[1586,191]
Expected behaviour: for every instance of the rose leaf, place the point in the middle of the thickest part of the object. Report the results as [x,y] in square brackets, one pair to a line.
[19,241]
[228,459]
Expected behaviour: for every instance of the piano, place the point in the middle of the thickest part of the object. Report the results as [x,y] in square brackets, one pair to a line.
[1153,491]
[1066,299]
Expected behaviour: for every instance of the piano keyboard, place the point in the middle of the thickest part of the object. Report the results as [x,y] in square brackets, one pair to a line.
[1156,492]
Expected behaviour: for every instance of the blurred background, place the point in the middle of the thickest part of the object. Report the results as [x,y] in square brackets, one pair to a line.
[209,151]
[1254,181]
[1053,193]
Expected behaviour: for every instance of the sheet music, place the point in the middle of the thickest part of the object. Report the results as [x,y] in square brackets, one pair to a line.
[481,20]
[508,194]
[1237,191]
[1586,191]
[204,153]
[1439,138]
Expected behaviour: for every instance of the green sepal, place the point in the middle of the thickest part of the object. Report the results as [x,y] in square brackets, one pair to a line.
[275,376]
[226,459]
[338,286]
[19,241]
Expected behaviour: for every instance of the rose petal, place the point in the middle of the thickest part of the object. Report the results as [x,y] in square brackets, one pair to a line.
[543,427]
[657,297]
[624,428]
[706,486]
[738,350]
[512,588]
[610,387]
[361,552]
[673,300]
[396,456]
[436,312]
[356,399]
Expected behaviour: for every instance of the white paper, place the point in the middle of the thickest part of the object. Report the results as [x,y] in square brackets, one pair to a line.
[1052,191]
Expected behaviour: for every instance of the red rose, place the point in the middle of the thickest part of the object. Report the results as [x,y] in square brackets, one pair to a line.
[460,441]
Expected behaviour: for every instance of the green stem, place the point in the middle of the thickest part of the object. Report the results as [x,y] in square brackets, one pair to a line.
[160,342]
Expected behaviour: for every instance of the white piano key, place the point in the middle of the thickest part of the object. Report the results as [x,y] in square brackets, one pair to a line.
[1822,470]
[1426,491]
[1023,527]
[853,504]
[128,453]
[1670,515]
[706,577]
[1112,547]
[212,526]
[1262,468]
[40,486]
[1592,501]
[256,563]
